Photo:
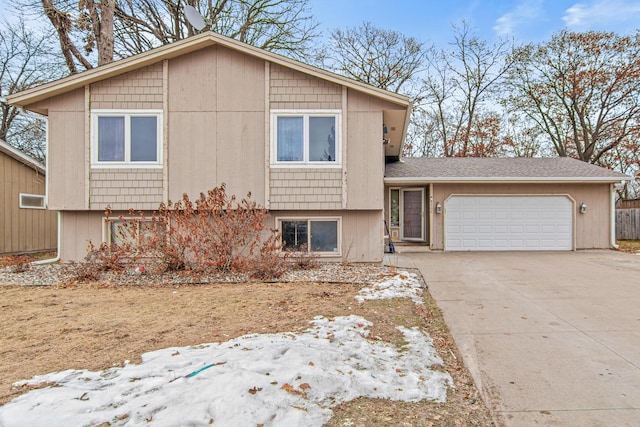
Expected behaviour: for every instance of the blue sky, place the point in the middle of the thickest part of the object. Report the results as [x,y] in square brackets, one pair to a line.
[526,20]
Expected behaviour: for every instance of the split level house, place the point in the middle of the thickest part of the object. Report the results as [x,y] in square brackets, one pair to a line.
[25,224]
[320,151]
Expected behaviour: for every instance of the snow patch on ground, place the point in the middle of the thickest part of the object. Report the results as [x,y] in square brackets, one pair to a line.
[274,379]
[270,379]
[402,285]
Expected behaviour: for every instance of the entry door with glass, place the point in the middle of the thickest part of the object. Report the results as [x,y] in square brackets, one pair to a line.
[412,214]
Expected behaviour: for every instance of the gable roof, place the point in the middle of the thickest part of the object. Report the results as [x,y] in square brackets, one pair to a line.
[497,170]
[181,47]
[21,157]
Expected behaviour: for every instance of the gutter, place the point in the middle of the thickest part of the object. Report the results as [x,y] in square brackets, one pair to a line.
[57,258]
[612,231]
[499,180]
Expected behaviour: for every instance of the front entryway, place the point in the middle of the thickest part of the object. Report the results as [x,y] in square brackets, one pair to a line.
[412,210]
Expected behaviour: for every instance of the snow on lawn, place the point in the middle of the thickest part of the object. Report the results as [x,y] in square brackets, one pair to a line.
[402,285]
[287,379]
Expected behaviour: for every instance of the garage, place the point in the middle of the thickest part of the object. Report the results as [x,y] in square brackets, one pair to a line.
[508,223]
[500,204]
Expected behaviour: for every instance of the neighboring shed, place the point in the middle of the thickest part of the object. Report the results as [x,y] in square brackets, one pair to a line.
[474,204]
[25,224]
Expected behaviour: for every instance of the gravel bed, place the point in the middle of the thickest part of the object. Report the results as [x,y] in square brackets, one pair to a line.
[56,274]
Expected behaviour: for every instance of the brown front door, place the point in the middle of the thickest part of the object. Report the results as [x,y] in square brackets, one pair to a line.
[412,214]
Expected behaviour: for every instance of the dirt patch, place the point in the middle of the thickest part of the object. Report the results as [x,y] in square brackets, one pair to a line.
[53,328]
[631,246]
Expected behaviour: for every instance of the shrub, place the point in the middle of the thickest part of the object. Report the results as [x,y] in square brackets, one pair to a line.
[303,259]
[214,232]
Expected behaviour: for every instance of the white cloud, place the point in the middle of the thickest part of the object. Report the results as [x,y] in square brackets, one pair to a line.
[582,16]
[521,14]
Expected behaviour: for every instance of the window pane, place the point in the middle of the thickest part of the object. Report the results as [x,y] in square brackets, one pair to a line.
[144,139]
[111,139]
[395,208]
[31,201]
[290,139]
[324,236]
[121,234]
[294,234]
[322,139]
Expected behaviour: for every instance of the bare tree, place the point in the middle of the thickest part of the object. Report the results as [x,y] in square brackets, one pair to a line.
[95,32]
[460,93]
[282,26]
[522,138]
[582,90]
[382,58]
[93,20]
[25,61]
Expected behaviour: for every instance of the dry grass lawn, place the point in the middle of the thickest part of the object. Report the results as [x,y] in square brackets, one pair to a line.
[97,326]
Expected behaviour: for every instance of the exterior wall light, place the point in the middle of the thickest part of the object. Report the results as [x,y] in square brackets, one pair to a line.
[583,207]
[438,208]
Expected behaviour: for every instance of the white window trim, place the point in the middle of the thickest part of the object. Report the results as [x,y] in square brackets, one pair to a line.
[306,163]
[127,164]
[391,189]
[40,196]
[338,219]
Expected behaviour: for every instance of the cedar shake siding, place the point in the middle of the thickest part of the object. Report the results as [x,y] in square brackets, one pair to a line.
[139,189]
[140,90]
[306,189]
[292,90]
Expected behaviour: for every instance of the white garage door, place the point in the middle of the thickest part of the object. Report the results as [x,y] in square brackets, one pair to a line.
[508,223]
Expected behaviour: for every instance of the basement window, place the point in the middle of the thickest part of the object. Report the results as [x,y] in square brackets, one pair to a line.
[31,201]
[317,235]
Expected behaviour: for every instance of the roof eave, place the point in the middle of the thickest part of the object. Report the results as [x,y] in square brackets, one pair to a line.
[503,180]
[66,84]
[21,157]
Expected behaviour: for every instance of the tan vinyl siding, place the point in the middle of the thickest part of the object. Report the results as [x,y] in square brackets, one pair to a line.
[216,123]
[125,189]
[291,90]
[68,163]
[306,188]
[140,89]
[362,238]
[23,230]
[365,167]
[591,229]
[79,228]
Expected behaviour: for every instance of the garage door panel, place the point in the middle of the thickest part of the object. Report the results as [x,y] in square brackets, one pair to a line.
[509,223]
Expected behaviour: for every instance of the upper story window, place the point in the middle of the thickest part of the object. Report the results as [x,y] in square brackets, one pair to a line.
[129,138]
[306,138]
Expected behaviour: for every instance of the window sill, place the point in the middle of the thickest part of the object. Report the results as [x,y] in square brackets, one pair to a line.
[305,166]
[125,166]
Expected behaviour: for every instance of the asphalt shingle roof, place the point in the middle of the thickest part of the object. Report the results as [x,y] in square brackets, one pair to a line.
[499,169]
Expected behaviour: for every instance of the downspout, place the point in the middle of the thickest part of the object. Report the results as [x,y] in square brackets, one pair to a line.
[612,231]
[57,258]
[46,199]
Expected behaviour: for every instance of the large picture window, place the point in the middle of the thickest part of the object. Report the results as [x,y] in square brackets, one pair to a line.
[319,235]
[126,138]
[306,138]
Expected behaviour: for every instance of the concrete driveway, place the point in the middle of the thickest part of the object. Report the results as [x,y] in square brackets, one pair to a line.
[552,339]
